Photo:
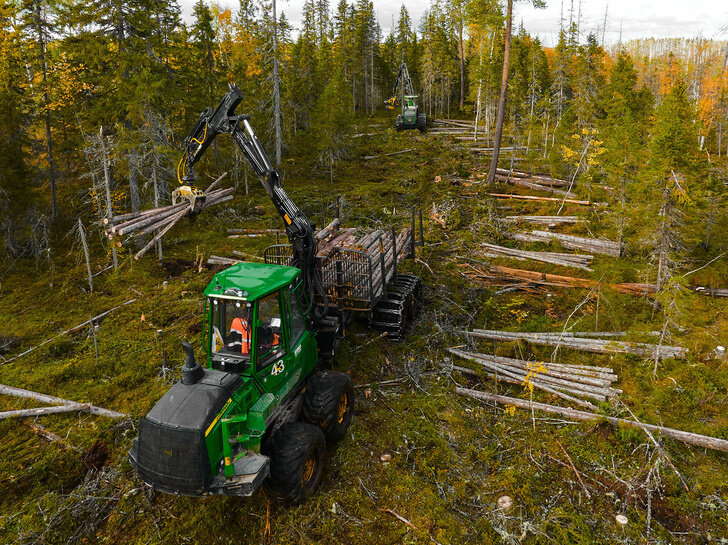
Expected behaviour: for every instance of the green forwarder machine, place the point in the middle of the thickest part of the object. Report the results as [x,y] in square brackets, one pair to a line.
[263,406]
[411,117]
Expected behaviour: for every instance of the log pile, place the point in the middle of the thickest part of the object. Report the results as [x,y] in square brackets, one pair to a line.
[564,381]
[123,228]
[599,246]
[540,179]
[520,178]
[533,281]
[568,340]
[451,127]
[578,261]
[528,280]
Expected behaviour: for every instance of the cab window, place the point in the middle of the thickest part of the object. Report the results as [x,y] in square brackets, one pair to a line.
[296,320]
[269,333]
[231,333]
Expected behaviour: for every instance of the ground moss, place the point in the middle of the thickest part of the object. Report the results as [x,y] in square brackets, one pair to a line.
[452,457]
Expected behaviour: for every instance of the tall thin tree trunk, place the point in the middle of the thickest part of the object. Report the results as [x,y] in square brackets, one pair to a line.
[477,111]
[502,101]
[371,76]
[156,202]
[462,66]
[133,163]
[49,140]
[276,90]
[84,245]
[107,185]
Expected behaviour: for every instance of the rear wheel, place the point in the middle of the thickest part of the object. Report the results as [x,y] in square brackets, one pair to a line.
[297,452]
[329,403]
[422,122]
[399,123]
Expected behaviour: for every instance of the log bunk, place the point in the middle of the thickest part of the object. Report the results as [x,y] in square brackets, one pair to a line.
[356,265]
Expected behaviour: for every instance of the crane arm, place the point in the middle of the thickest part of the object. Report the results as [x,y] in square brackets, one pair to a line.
[299,229]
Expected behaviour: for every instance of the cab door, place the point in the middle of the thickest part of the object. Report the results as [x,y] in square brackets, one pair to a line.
[273,359]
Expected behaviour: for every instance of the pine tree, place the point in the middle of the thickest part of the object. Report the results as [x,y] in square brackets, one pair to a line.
[588,82]
[332,121]
[627,112]
[37,25]
[15,179]
[671,157]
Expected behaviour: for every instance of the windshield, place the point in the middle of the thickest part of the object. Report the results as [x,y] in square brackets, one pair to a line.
[231,331]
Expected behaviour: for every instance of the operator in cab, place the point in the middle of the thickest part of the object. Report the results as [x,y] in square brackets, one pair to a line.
[239,337]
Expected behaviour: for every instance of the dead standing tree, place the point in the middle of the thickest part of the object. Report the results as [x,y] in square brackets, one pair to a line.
[502,102]
[80,235]
[154,162]
[99,163]
[500,117]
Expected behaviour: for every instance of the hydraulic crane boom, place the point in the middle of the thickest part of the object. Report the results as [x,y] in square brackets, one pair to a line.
[403,82]
[299,229]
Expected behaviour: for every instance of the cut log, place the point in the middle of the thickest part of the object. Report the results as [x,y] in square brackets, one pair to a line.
[330,228]
[595,388]
[562,395]
[684,436]
[220,260]
[43,411]
[369,157]
[163,232]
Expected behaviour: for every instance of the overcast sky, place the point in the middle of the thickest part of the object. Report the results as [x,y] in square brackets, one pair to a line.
[636,18]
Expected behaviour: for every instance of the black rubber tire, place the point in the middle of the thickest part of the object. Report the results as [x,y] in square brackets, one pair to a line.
[422,122]
[293,447]
[329,403]
[399,124]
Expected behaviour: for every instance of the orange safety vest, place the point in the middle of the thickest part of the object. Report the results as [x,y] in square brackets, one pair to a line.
[240,326]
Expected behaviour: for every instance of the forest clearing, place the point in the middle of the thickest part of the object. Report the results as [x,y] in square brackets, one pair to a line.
[534,322]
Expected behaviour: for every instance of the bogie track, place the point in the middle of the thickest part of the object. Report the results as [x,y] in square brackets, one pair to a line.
[395,311]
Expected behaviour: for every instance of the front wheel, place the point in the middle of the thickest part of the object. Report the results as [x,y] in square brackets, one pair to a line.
[297,452]
[329,403]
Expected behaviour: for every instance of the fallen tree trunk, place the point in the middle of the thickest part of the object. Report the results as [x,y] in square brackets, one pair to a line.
[544,199]
[43,411]
[44,398]
[550,221]
[575,414]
